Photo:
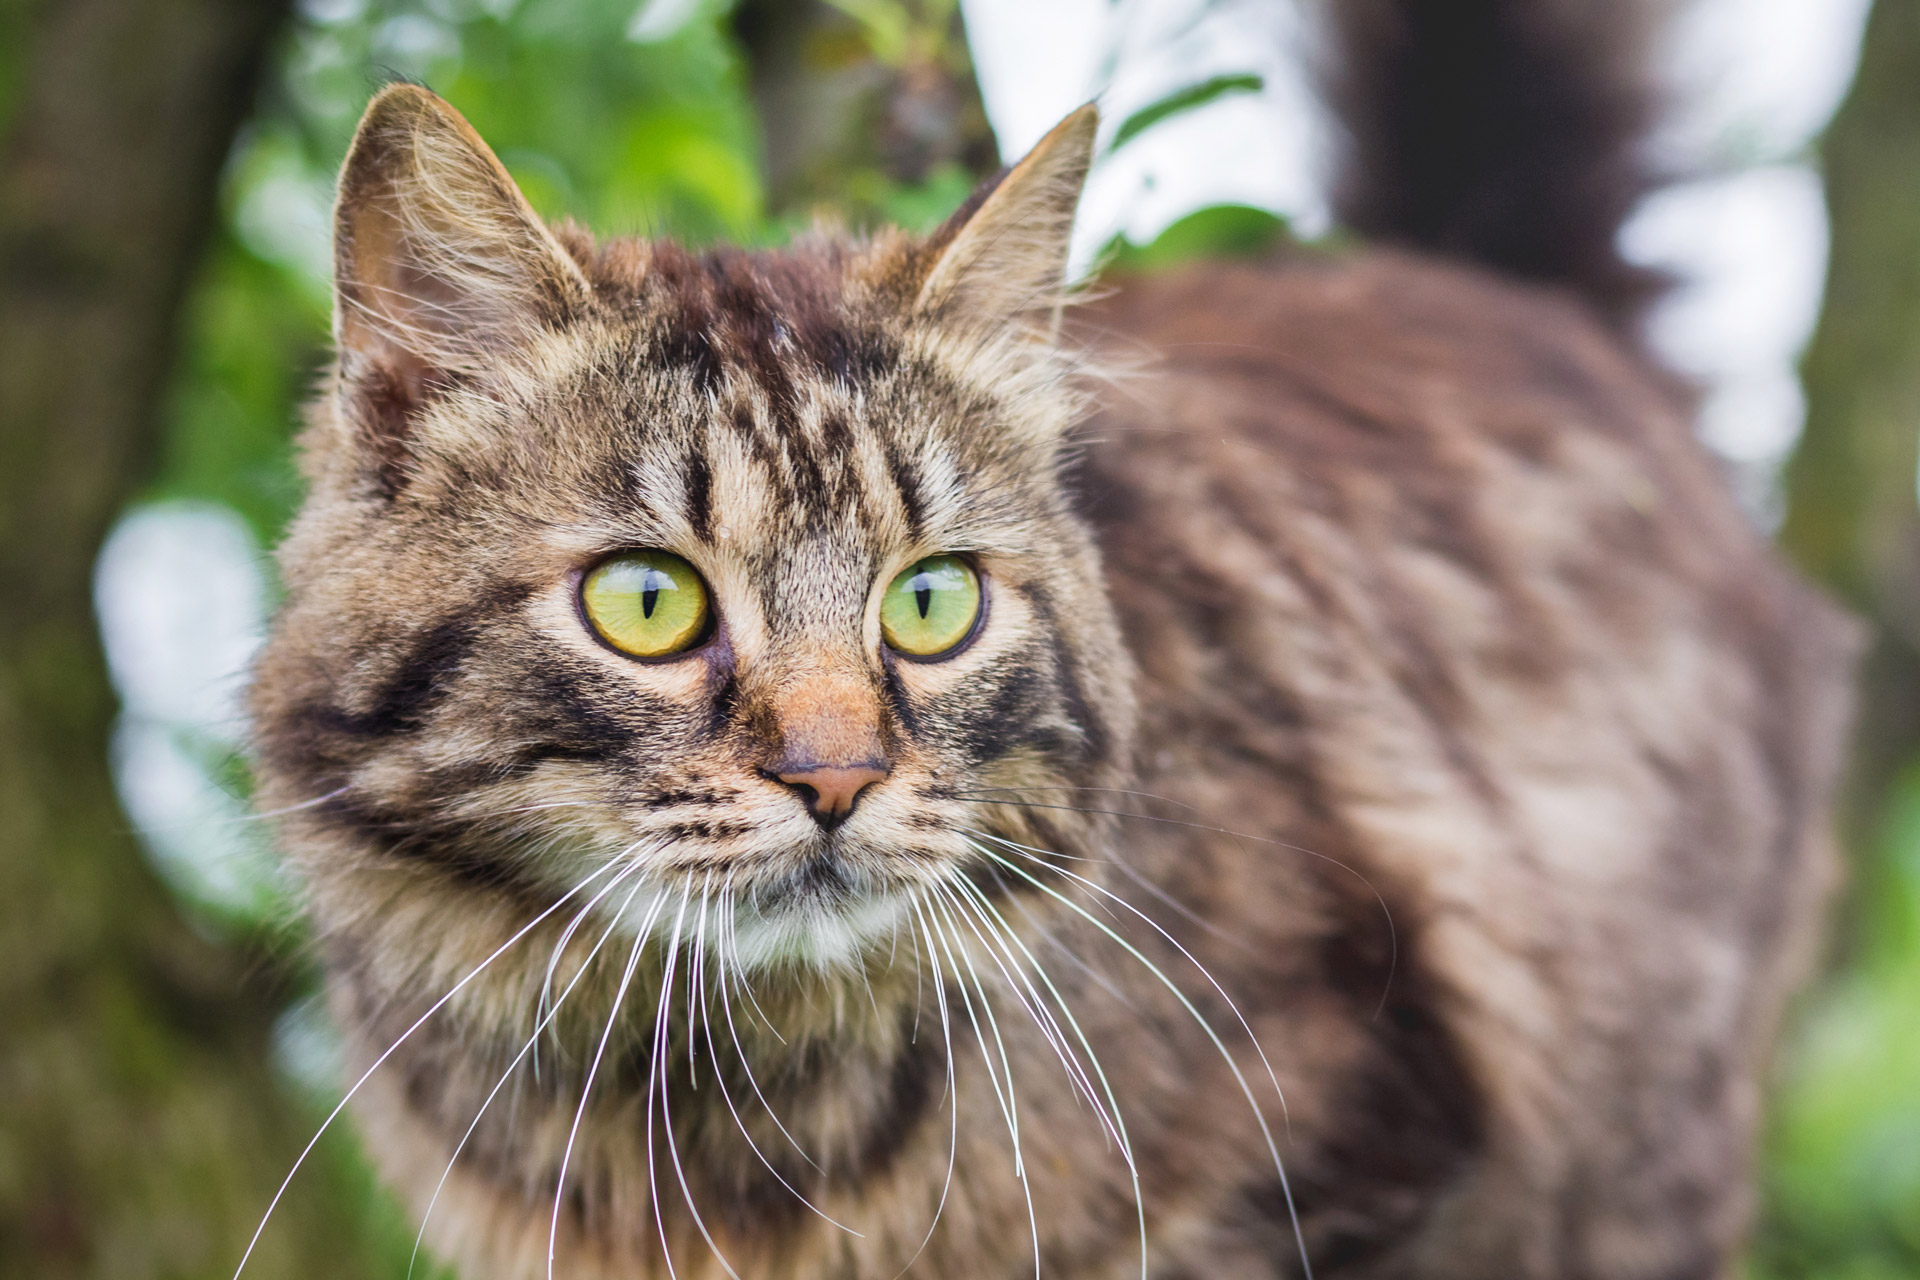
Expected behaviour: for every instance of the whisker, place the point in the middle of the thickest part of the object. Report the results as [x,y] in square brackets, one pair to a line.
[593,1070]
[953,1089]
[520,1057]
[1038,856]
[1393,937]
[966,1001]
[697,976]
[653,1068]
[726,1006]
[746,984]
[1246,1090]
[543,807]
[942,895]
[726,1094]
[1016,978]
[661,1046]
[1117,1123]
[1041,929]
[391,1049]
[566,936]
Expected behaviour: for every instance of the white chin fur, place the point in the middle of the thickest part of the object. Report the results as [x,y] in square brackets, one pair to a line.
[774,935]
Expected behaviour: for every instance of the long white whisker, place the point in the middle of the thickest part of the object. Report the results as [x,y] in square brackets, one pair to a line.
[1113,1103]
[720,1080]
[726,1007]
[740,1052]
[520,1057]
[1273,1148]
[966,1002]
[953,1088]
[1038,856]
[673,1148]
[657,1072]
[439,1004]
[1386,912]
[943,896]
[566,936]
[697,977]
[593,1070]
[1022,988]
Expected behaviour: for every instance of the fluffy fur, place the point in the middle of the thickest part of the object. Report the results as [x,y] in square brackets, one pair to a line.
[1382,706]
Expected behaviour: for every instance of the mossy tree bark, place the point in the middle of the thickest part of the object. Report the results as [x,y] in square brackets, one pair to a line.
[141,1128]
[1852,519]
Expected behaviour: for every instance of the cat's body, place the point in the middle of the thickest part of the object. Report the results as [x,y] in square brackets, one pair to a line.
[1386,680]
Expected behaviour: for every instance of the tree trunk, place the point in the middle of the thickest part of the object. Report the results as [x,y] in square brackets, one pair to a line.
[1852,520]
[141,1129]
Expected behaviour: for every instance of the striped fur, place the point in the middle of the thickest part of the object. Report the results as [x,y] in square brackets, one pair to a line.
[1384,683]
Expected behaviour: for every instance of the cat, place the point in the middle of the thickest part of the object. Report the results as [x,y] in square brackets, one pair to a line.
[821,763]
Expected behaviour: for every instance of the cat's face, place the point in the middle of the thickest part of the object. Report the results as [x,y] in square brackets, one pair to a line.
[744,576]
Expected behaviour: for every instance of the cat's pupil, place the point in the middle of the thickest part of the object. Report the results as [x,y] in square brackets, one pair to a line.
[923,593]
[650,591]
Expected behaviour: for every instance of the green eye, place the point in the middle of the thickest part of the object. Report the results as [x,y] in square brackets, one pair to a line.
[646,603]
[930,606]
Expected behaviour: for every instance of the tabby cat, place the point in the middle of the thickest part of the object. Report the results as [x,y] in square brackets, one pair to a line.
[796,772]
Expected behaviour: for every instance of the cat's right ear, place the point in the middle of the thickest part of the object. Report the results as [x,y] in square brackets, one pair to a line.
[441,268]
[1002,259]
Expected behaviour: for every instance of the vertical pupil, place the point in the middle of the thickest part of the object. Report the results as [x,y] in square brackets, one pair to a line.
[650,591]
[923,593]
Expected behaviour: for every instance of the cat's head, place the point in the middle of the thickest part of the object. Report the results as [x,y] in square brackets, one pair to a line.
[738,573]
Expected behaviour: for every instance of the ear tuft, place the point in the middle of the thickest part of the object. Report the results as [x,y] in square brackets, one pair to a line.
[1007,256]
[441,268]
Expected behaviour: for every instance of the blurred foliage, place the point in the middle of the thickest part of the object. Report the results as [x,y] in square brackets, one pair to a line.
[1220,231]
[869,107]
[1181,100]
[1843,1160]
[1843,1181]
[641,118]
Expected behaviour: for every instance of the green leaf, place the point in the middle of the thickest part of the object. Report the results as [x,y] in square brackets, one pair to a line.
[1194,95]
[1219,231]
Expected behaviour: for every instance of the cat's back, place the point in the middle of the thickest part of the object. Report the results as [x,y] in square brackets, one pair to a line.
[1474,481]
[1431,565]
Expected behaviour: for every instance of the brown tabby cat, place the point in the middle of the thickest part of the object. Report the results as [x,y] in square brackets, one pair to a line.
[784,792]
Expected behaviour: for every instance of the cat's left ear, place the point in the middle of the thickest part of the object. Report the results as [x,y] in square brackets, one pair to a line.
[1004,259]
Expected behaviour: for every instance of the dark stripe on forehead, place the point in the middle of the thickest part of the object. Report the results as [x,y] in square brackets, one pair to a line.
[687,346]
[699,487]
[775,318]
[759,444]
[906,480]
[836,438]
[807,481]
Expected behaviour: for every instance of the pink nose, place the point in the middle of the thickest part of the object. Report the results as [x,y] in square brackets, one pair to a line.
[830,790]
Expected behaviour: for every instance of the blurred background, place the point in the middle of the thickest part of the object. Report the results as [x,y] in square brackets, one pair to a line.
[164,196]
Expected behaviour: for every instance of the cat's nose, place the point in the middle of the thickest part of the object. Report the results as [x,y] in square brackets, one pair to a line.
[827,744]
[830,790]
